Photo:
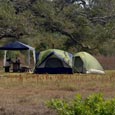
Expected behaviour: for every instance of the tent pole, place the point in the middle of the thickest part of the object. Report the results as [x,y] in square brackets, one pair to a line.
[5,52]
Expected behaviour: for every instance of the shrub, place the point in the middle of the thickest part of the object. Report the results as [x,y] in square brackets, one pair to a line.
[93,105]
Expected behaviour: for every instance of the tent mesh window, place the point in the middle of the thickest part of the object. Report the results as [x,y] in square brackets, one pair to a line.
[53,63]
[78,64]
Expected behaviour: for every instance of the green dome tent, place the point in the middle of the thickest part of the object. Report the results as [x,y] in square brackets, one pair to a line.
[53,61]
[84,62]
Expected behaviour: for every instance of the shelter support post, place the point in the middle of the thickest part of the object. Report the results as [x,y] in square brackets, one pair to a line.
[28,58]
[34,57]
[5,52]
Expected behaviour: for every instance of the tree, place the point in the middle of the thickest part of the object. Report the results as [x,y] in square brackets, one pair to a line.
[10,25]
[80,24]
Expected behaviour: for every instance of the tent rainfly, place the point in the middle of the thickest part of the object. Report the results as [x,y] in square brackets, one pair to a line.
[53,61]
[84,62]
[18,46]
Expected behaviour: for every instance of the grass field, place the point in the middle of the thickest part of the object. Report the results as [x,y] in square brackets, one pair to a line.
[26,93]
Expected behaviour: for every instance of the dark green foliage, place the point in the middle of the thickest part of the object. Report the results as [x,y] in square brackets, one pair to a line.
[93,105]
[72,25]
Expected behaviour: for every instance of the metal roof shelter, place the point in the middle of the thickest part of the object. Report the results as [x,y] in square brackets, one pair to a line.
[18,46]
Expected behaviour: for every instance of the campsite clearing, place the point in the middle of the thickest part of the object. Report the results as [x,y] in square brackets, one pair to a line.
[26,93]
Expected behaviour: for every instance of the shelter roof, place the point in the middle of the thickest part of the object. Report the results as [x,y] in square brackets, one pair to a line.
[16,46]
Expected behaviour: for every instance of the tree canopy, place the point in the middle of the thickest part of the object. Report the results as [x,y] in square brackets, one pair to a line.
[72,25]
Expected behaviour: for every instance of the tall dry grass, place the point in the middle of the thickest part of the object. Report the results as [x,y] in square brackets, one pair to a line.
[80,83]
[25,93]
[108,62]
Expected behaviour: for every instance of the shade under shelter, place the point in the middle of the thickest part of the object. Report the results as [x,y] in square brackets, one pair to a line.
[18,46]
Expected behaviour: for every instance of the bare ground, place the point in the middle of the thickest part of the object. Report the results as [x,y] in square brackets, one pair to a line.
[26,94]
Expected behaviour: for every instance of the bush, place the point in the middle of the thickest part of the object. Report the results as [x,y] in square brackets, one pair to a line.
[93,105]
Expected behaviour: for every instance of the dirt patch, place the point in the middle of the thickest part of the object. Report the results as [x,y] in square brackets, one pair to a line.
[28,101]
[26,94]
